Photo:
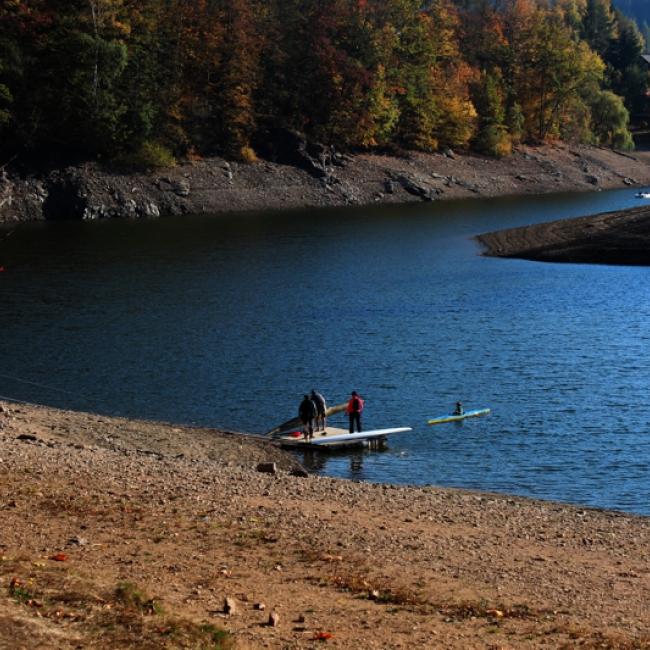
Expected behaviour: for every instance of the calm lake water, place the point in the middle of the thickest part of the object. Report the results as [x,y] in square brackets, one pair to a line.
[227,321]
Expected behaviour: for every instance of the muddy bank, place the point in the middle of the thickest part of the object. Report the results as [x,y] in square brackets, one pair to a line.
[125,543]
[620,237]
[215,185]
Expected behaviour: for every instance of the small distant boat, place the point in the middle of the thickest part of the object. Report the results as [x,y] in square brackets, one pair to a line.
[642,195]
[456,418]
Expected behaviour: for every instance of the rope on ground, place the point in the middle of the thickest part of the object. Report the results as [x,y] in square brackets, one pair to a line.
[35,383]
[4,398]
[89,404]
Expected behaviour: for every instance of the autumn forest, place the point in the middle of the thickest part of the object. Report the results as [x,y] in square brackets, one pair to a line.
[148,81]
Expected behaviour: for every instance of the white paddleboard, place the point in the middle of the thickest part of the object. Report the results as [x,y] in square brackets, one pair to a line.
[363,435]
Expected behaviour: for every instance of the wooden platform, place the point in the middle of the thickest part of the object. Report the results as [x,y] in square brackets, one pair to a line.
[340,438]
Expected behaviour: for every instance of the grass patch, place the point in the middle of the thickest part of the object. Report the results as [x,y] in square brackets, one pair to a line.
[124,617]
[481,609]
[132,598]
[375,589]
[20,592]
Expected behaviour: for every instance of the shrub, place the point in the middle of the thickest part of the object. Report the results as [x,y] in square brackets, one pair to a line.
[149,155]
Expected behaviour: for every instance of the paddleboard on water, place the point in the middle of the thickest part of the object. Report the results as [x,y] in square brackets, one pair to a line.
[364,435]
[456,418]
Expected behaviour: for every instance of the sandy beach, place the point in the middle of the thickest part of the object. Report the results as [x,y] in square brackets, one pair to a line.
[127,534]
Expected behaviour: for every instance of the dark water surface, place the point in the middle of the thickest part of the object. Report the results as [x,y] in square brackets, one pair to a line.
[226,321]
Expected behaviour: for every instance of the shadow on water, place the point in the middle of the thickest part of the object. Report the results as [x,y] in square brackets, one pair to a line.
[317,461]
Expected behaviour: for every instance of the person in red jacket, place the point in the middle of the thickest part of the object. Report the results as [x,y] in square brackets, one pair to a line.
[354,410]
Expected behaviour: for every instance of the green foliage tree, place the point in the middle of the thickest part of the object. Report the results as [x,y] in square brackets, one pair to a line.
[627,75]
[610,120]
[7,72]
[488,98]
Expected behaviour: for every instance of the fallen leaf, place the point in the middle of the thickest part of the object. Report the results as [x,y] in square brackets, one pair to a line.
[322,636]
[59,557]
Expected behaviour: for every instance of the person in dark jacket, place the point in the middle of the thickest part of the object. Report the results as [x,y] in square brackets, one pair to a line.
[354,410]
[459,409]
[307,413]
[321,407]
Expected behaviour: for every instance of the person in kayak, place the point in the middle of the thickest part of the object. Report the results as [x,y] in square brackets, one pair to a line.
[354,410]
[307,412]
[459,409]
[321,406]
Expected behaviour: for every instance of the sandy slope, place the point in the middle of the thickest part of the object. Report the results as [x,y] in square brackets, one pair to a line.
[374,566]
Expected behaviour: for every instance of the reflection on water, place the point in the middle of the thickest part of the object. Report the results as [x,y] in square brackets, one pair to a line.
[315,460]
[228,321]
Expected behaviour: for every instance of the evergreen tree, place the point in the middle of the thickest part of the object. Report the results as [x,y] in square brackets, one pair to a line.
[488,97]
[599,25]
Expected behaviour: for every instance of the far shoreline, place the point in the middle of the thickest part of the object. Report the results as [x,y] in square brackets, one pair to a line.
[90,191]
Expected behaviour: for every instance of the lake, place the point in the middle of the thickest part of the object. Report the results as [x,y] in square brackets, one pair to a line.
[226,321]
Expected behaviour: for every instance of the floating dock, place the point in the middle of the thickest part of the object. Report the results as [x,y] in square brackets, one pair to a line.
[333,438]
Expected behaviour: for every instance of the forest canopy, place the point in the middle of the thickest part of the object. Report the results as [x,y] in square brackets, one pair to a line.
[150,80]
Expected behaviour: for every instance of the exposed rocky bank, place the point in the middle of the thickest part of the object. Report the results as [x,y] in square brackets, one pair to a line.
[311,177]
[126,534]
[620,237]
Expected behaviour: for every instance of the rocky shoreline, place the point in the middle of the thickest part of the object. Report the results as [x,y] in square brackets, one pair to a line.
[119,533]
[620,237]
[312,178]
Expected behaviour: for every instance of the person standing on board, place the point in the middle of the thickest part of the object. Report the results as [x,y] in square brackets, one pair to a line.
[307,412]
[459,409]
[321,406]
[354,410]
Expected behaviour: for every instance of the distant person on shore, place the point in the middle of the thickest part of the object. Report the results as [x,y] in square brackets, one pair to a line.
[307,413]
[321,407]
[354,410]
[459,409]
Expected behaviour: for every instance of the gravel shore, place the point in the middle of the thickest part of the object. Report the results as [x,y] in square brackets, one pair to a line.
[126,534]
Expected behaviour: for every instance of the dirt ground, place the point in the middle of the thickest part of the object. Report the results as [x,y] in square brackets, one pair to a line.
[126,534]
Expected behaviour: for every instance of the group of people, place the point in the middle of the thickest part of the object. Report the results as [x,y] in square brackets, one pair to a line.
[312,413]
